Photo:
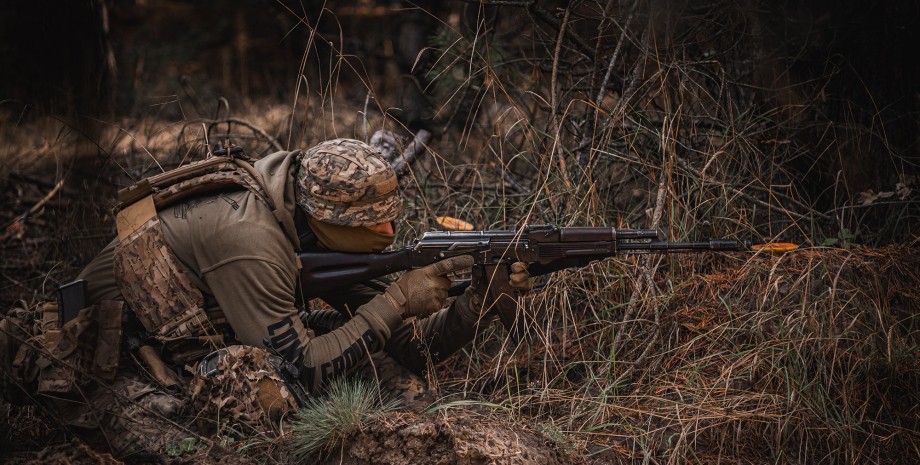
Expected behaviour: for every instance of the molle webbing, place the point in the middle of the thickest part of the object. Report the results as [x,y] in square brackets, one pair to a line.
[165,301]
[197,178]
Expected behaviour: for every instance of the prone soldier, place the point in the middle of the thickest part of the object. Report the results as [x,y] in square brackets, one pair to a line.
[192,312]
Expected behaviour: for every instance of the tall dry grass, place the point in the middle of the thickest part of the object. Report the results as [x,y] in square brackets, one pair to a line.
[661,122]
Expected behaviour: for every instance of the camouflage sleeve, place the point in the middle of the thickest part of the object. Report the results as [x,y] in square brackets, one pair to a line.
[439,336]
[257,297]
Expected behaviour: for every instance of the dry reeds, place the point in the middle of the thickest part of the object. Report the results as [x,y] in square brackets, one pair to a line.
[808,357]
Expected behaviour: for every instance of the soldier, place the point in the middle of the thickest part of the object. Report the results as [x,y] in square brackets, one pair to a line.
[193,310]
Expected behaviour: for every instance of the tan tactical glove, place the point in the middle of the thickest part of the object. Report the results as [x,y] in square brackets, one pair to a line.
[421,292]
[520,278]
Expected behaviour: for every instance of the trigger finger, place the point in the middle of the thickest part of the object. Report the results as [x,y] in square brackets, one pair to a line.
[453,264]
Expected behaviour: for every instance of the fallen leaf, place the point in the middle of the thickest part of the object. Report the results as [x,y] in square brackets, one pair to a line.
[454,224]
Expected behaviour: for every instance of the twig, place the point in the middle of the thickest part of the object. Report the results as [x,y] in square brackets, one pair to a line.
[730,188]
[496,188]
[613,59]
[557,124]
[547,17]
[873,204]
[648,270]
[686,165]
[582,161]
[416,147]
[271,140]
[38,206]
[542,14]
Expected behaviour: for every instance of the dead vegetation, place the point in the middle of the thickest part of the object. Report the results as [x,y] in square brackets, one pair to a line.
[796,358]
[697,120]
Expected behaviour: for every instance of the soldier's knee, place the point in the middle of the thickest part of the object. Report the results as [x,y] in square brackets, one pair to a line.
[241,384]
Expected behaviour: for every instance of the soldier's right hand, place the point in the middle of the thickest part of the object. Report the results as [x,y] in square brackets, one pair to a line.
[421,292]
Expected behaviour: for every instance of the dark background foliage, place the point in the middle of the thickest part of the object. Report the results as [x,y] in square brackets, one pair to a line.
[855,60]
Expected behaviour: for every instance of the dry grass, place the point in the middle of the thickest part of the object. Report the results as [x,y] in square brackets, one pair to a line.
[807,357]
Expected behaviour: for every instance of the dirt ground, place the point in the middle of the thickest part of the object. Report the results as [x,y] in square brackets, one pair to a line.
[405,439]
[396,439]
[78,453]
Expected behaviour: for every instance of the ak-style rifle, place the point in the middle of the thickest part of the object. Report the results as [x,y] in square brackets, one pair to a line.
[546,248]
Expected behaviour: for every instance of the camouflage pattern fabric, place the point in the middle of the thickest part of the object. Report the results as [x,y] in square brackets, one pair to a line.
[19,352]
[239,386]
[82,390]
[37,354]
[85,349]
[163,298]
[134,416]
[347,182]
[224,175]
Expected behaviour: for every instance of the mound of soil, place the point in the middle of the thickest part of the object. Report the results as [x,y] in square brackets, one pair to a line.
[405,439]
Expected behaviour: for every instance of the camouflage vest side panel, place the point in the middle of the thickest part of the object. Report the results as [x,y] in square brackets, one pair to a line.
[165,301]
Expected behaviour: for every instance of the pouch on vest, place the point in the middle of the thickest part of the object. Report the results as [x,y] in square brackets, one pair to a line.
[20,349]
[84,350]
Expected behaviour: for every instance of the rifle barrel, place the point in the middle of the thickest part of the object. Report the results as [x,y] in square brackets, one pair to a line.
[725,245]
[587,234]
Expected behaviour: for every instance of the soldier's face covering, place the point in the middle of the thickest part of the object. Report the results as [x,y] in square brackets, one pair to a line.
[357,239]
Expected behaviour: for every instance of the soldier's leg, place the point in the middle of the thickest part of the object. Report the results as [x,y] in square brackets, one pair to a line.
[127,415]
[16,330]
[131,416]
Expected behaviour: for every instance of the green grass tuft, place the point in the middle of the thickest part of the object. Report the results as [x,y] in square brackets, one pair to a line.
[347,406]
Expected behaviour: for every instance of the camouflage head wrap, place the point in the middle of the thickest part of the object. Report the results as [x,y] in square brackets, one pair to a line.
[347,182]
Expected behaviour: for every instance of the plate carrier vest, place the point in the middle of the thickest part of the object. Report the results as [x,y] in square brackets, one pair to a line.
[165,301]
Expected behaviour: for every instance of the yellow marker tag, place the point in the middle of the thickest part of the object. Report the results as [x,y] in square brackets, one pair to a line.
[775,247]
[453,224]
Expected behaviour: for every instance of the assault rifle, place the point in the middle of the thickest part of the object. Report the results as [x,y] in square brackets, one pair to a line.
[546,248]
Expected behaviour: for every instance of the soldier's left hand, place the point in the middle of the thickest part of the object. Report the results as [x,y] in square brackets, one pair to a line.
[520,278]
